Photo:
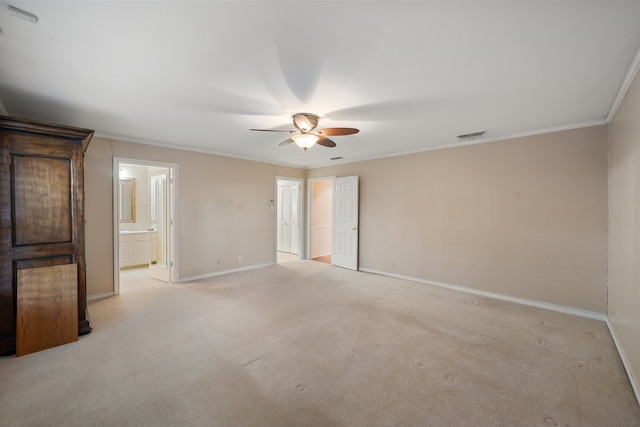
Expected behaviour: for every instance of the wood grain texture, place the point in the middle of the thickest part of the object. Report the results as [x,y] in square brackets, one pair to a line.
[42,210]
[47,308]
[42,200]
[35,127]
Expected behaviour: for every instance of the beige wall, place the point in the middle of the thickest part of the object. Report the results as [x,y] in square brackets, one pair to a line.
[624,229]
[525,217]
[223,210]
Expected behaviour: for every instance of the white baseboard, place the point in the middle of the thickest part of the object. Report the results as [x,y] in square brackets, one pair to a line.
[625,362]
[317,256]
[192,278]
[222,273]
[96,297]
[502,297]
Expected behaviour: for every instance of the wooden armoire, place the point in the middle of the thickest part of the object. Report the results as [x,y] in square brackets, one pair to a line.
[41,210]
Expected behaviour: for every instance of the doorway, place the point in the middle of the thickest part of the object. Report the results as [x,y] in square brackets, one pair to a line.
[320,219]
[333,221]
[145,222]
[288,218]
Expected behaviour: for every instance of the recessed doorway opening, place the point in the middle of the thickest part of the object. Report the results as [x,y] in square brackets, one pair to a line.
[320,221]
[333,221]
[145,222]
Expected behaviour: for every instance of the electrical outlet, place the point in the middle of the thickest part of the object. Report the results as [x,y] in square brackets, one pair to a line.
[239,257]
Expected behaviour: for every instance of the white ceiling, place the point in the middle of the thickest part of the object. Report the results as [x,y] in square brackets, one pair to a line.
[410,75]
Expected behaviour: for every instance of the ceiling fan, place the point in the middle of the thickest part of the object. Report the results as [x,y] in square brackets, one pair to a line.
[307,135]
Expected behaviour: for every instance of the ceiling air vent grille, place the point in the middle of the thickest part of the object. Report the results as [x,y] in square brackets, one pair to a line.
[469,136]
[335,158]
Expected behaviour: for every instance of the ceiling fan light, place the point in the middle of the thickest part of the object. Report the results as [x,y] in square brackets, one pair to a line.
[305,140]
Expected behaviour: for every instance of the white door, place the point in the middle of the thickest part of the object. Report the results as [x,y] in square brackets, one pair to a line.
[159,216]
[288,218]
[344,251]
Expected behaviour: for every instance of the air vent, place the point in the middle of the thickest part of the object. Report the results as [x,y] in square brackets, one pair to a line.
[468,136]
[335,158]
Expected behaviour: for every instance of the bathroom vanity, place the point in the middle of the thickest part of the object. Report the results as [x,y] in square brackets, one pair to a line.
[138,248]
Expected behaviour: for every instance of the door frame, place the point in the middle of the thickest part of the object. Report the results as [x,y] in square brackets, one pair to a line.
[301,234]
[310,182]
[173,237]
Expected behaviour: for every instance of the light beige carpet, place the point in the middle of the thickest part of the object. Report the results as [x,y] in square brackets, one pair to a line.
[308,344]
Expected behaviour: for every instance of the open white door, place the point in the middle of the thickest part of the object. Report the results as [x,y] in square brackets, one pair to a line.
[345,223]
[160,219]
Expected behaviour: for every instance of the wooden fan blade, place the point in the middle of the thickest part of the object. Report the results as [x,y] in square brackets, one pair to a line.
[326,142]
[272,130]
[288,141]
[336,131]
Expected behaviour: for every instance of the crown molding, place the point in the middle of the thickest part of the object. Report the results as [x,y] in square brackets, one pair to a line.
[624,86]
[119,138]
[506,137]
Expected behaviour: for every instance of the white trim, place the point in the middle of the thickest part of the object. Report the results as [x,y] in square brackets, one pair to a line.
[624,86]
[115,176]
[175,217]
[625,362]
[222,273]
[192,149]
[543,131]
[100,296]
[502,297]
[321,255]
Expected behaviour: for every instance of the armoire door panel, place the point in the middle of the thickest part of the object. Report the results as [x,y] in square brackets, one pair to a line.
[43,251]
[42,202]
[42,262]
[47,307]
[22,264]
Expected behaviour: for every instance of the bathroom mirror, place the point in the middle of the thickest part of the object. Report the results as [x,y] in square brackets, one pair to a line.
[127,200]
